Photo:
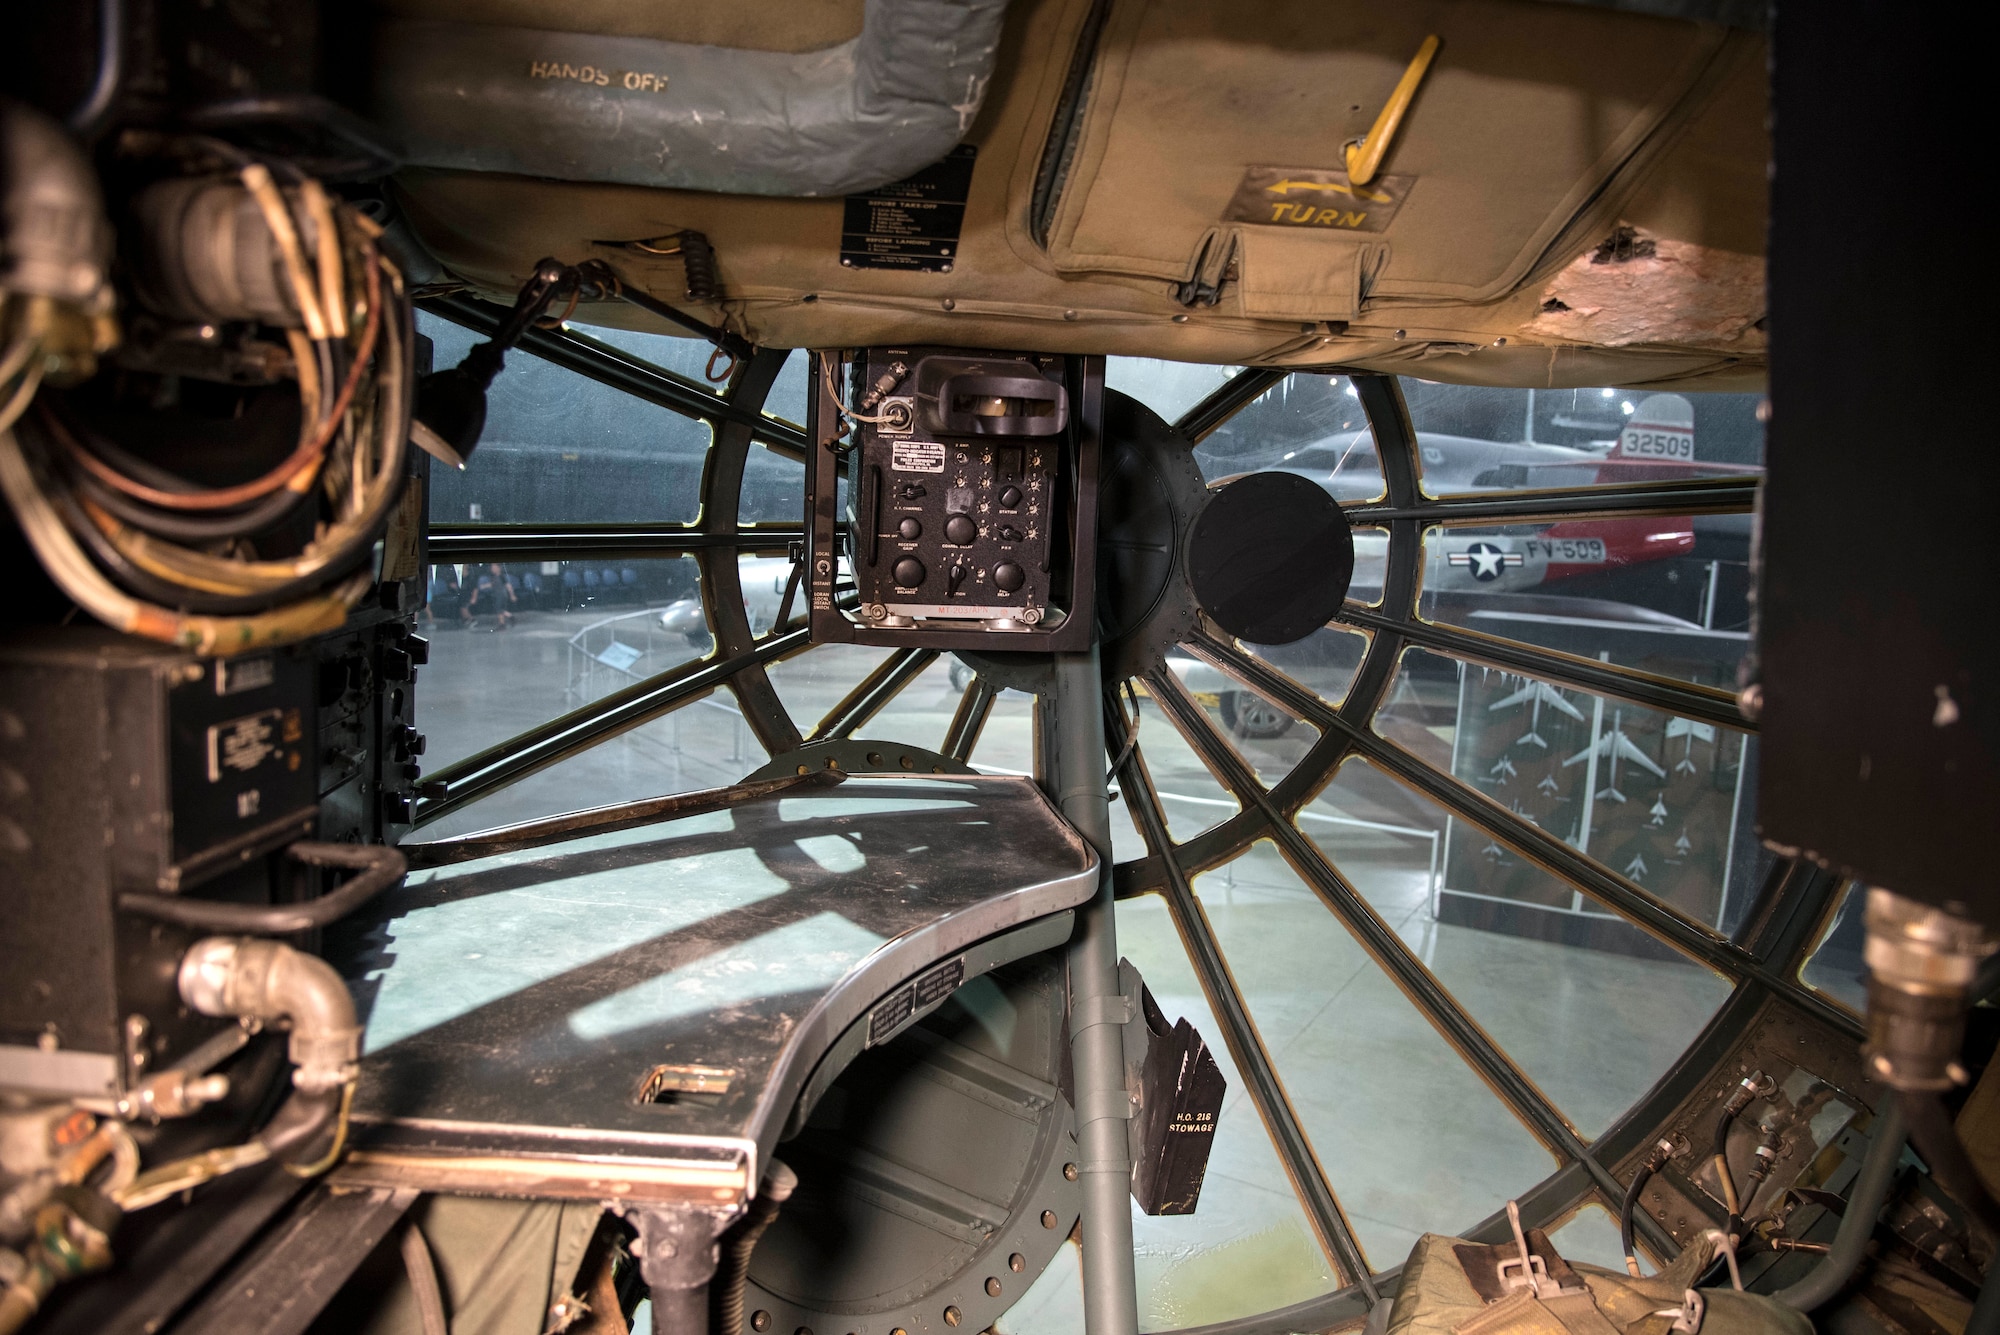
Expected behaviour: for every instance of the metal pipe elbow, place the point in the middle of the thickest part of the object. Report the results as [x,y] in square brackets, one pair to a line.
[247,978]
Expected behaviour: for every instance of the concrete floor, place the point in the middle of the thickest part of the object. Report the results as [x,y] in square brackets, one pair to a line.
[1409,1137]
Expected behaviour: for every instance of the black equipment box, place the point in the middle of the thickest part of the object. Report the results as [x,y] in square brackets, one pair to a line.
[130,766]
[962,502]
[1878,657]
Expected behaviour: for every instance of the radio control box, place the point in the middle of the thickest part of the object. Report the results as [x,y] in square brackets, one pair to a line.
[952,498]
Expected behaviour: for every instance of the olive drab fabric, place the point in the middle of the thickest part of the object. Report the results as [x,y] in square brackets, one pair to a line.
[1574,196]
[1435,1297]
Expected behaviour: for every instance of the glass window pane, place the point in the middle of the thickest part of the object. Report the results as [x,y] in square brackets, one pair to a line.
[559,448]
[1835,967]
[1324,662]
[1268,738]
[683,354]
[1168,388]
[1411,1139]
[1248,1247]
[1655,593]
[1669,803]
[1308,424]
[1006,744]
[1591,1236]
[774,488]
[703,744]
[787,399]
[1594,1028]
[1190,797]
[574,632]
[763,580]
[1473,438]
[1371,565]
[810,684]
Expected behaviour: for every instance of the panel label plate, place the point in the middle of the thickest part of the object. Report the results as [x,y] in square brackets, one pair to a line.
[911,224]
[916,456]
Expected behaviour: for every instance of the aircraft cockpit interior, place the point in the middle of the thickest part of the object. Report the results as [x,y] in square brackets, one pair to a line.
[1020,667]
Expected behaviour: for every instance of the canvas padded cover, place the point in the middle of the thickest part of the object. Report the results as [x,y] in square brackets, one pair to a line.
[1529,117]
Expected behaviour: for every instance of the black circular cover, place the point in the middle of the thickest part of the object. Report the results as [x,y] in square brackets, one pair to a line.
[1270,558]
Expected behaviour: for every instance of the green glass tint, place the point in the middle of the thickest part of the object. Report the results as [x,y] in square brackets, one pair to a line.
[1666,802]
[1471,438]
[515,647]
[559,448]
[1593,1017]
[1636,592]
[1311,425]
[1411,1140]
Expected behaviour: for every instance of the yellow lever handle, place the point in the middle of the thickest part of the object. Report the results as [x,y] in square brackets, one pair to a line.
[1365,158]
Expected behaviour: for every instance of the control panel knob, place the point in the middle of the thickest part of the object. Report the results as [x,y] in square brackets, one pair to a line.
[908,573]
[1009,576]
[910,530]
[960,531]
[1010,497]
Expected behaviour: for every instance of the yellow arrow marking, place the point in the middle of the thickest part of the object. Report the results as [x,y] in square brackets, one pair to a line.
[1286,186]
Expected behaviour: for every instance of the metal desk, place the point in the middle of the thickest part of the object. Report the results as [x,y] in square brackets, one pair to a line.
[634,1016]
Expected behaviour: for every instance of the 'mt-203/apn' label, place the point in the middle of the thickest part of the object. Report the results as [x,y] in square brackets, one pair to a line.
[916,456]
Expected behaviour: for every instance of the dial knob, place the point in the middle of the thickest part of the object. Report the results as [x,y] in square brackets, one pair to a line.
[910,529]
[960,531]
[908,573]
[1009,576]
[1010,497]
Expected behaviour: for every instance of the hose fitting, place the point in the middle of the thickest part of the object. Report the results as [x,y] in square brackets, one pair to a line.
[1921,965]
[242,977]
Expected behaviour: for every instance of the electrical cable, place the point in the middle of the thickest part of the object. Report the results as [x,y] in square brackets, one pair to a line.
[379,865]
[1936,1139]
[344,542]
[422,1272]
[1864,1202]
[110,67]
[826,371]
[312,448]
[1628,1212]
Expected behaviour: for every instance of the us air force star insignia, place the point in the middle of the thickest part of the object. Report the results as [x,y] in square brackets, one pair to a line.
[1485,560]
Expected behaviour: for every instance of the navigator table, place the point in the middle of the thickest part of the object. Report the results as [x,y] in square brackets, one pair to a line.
[635,1015]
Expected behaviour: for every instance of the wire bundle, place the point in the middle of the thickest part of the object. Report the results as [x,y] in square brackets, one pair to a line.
[153,554]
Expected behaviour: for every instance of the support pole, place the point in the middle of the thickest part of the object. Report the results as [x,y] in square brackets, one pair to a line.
[1073,761]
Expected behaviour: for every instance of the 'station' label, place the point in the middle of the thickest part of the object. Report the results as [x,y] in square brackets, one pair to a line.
[916,456]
